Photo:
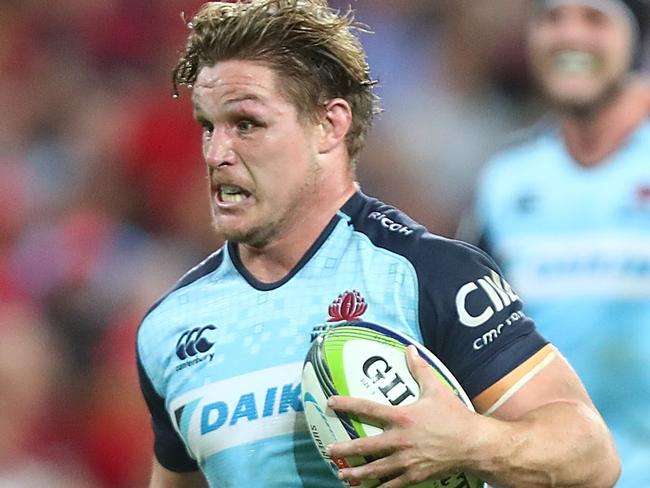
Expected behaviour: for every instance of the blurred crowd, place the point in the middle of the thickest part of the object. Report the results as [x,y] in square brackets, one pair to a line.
[103,201]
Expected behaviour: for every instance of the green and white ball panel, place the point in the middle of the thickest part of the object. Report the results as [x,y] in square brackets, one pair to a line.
[324,425]
[367,361]
[366,342]
[376,372]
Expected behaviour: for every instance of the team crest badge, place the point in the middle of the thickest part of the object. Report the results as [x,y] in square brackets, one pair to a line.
[347,307]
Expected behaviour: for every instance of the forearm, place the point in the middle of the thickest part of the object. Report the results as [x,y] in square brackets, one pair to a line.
[561,444]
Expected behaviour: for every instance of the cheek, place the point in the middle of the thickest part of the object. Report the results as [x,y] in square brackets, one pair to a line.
[288,158]
[540,38]
[620,44]
[539,49]
[620,55]
[539,64]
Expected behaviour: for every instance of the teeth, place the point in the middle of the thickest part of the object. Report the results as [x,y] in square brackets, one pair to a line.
[230,189]
[575,62]
[232,194]
[232,198]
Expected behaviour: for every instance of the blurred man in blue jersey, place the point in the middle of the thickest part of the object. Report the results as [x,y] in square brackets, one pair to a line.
[282,91]
[566,210]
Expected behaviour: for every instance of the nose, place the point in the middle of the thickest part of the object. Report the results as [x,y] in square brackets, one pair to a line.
[217,149]
[574,27]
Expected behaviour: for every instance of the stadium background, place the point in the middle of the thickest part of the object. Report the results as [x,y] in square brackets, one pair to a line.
[103,202]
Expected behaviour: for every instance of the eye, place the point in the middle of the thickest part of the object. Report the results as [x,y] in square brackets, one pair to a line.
[550,16]
[207,128]
[245,125]
[596,17]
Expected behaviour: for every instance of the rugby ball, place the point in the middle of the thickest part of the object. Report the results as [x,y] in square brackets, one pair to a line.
[366,360]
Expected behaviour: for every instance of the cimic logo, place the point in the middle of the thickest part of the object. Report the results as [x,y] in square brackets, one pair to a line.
[495,288]
[191,342]
[388,382]
[249,407]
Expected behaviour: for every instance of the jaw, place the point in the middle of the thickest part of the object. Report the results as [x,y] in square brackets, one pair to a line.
[578,81]
[572,93]
[582,98]
[571,77]
[244,222]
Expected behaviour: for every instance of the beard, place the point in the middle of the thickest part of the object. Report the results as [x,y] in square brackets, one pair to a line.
[257,236]
[273,223]
[586,108]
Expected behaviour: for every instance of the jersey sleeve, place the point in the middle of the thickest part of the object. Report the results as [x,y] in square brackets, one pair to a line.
[169,448]
[473,320]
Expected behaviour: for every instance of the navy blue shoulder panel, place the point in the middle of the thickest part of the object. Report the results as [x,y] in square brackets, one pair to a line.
[385,226]
[204,268]
[457,284]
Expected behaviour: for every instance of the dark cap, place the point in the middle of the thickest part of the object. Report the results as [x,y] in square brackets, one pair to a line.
[639,9]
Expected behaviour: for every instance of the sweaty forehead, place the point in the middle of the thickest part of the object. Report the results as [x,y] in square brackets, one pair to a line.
[236,80]
[612,8]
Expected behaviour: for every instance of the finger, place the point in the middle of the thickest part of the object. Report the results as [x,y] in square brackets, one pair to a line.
[381,468]
[375,413]
[399,482]
[420,370]
[376,445]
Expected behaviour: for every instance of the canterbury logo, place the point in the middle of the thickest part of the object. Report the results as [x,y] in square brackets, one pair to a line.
[191,342]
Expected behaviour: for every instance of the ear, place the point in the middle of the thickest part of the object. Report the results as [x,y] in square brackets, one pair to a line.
[335,124]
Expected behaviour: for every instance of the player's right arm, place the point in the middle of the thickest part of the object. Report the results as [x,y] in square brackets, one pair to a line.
[172,465]
[162,477]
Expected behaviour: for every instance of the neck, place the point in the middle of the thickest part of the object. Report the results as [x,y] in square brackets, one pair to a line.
[591,138]
[275,260]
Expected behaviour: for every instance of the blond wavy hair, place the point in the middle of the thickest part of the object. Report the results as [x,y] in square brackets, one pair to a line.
[313,48]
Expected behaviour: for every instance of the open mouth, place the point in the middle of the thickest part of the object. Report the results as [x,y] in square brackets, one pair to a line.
[575,62]
[231,194]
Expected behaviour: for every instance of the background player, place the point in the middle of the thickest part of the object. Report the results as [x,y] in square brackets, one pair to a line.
[283,93]
[567,210]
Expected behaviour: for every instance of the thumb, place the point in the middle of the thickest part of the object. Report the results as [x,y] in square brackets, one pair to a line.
[421,370]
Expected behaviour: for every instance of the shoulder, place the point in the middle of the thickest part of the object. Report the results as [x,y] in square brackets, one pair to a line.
[641,137]
[383,225]
[162,324]
[205,268]
[390,228]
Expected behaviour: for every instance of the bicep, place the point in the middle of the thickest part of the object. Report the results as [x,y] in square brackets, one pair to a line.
[162,477]
[556,381]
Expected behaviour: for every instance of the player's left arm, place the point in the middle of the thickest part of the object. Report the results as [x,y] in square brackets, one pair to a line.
[546,434]
[535,426]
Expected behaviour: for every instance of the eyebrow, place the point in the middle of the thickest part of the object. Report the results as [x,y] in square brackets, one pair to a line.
[233,101]
[244,98]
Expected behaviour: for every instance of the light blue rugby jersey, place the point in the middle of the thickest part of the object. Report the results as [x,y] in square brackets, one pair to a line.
[575,243]
[220,357]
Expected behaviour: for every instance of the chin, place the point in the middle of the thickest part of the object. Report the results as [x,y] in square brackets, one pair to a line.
[579,102]
[575,105]
[253,236]
[581,98]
